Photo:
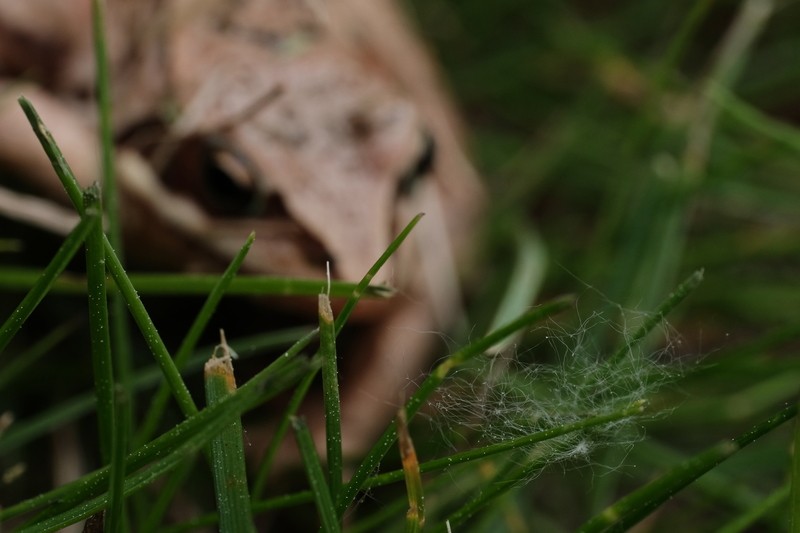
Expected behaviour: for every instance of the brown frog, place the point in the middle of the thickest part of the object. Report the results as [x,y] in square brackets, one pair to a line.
[320,125]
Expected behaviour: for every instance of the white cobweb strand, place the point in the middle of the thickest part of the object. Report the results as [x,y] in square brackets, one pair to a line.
[503,397]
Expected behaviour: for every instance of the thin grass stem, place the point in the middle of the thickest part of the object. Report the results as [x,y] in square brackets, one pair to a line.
[265,466]
[57,265]
[316,477]
[673,300]
[115,513]
[102,364]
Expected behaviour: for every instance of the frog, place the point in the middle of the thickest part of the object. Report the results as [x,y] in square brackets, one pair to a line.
[322,126]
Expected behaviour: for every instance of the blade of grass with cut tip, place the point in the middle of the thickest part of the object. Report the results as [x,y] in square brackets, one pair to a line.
[330,396]
[159,401]
[432,382]
[57,265]
[634,507]
[316,477]
[227,448]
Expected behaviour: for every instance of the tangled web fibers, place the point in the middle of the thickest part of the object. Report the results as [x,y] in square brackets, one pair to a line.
[565,378]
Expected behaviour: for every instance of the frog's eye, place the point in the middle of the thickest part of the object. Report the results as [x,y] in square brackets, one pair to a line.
[228,187]
[422,166]
[219,178]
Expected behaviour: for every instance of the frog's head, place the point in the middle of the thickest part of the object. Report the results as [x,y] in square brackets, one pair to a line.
[287,126]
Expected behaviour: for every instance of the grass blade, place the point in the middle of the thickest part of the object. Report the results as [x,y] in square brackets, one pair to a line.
[656,318]
[794,498]
[57,265]
[159,401]
[227,448]
[102,365]
[201,284]
[637,505]
[316,477]
[115,513]
[298,395]
[330,395]
[361,288]
[415,517]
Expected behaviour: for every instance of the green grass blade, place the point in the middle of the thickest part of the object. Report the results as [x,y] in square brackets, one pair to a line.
[105,130]
[432,382]
[657,317]
[23,361]
[115,512]
[316,477]
[794,497]
[150,333]
[110,200]
[748,520]
[637,505]
[102,364]
[164,284]
[227,449]
[57,265]
[54,154]
[330,396]
[361,288]
[264,468]
[159,401]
